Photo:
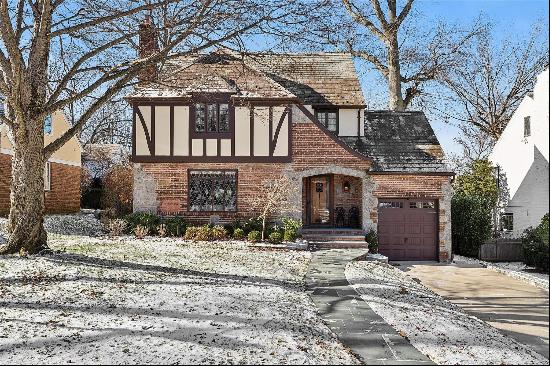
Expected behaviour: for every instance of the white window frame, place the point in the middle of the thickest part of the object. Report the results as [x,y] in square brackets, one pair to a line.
[48,177]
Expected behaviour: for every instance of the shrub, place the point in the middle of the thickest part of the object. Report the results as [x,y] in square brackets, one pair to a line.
[275,229]
[198,233]
[238,234]
[161,230]
[291,227]
[372,240]
[252,224]
[471,223]
[146,219]
[141,231]
[116,227]
[175,226]
[275,237]
[118,189]
[535,245]
[218,233]
[254,236]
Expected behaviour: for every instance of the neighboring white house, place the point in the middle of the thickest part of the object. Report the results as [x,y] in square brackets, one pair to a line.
[521,153]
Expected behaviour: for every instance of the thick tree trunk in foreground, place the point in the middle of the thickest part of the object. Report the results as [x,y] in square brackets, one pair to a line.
[26,220]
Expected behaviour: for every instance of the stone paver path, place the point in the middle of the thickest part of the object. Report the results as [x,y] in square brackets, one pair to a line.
[373,340]
[516,308]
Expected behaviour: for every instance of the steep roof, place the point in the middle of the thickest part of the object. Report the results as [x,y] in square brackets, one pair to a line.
[320,78]
[400,142]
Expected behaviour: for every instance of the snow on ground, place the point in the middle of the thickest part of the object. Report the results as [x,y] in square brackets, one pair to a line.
[437,328]
[517,270]
[77,224]
[125,300]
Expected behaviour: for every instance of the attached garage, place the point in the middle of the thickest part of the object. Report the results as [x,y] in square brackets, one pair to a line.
[407,229]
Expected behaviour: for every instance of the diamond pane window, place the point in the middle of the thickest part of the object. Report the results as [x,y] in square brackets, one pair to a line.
[212,118]
[212,191]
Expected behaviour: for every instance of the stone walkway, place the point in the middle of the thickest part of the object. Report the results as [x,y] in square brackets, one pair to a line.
[373,340]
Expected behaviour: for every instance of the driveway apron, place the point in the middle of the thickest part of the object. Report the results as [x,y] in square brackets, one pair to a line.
[358,327]
[516,308]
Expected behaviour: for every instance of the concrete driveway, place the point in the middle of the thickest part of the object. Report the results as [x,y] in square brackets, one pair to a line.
[516,308]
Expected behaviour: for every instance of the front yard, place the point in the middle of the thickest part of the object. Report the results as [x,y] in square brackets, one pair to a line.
[160,301]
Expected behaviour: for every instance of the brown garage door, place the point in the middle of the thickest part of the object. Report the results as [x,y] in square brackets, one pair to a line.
[407,229]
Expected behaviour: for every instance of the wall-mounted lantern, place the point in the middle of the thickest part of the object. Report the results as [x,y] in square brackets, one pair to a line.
[346,186]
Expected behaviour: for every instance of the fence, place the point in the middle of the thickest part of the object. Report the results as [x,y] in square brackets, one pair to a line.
[501,250]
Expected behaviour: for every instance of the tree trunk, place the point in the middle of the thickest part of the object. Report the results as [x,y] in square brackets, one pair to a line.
[26,220]
[396,102]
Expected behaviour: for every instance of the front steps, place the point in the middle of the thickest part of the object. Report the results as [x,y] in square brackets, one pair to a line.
[334,238]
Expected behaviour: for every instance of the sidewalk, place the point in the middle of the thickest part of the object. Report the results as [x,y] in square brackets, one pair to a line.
[373,340]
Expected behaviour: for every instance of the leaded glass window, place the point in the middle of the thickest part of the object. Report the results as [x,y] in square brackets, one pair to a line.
[211,190]
[329,119]
[212,117]
[224,118]
[200,117]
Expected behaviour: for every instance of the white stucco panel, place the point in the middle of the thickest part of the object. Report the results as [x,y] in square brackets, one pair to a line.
[181,131]
[242,131]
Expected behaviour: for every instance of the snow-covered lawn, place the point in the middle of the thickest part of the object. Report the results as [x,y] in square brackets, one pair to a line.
[437,328]
[125,300]
[516,270]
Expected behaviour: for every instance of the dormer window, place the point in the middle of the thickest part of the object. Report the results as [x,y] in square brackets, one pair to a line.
[527,126]
[328,118]
[212,117]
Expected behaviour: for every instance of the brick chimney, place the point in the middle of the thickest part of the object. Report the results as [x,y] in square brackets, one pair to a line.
[148,45]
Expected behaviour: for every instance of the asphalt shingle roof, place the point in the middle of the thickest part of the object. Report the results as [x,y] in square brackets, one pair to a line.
[399,142]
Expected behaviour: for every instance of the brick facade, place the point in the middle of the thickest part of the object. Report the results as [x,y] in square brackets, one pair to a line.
[63,196]
[163,186]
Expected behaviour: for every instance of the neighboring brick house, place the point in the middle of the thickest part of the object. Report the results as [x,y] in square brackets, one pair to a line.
[61,174]
[210,130]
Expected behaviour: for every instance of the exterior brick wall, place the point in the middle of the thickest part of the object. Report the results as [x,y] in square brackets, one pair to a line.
[311,148]
[313,152]
[64,193]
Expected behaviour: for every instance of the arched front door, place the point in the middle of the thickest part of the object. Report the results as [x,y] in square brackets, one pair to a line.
[319,194]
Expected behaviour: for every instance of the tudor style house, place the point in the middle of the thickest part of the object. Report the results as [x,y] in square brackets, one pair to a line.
[521,155]
[210,129]
[61,174]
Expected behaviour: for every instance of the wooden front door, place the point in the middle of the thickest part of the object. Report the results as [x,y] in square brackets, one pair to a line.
[320,200]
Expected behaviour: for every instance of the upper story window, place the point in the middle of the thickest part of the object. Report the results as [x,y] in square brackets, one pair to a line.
[527,126]
[212,117]
[507,221]
[48,125]
[328,118]
[2,107]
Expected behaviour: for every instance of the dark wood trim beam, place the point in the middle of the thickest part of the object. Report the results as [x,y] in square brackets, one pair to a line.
[145,130]
[211,159]
[277,131]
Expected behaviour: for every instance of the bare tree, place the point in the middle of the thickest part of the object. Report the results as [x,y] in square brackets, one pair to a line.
[490,82]
[55,52]
[274,198]
[394,41]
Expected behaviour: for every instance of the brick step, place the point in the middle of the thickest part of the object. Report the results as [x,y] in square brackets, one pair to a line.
[344,232]
[337,245]
[331,238]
